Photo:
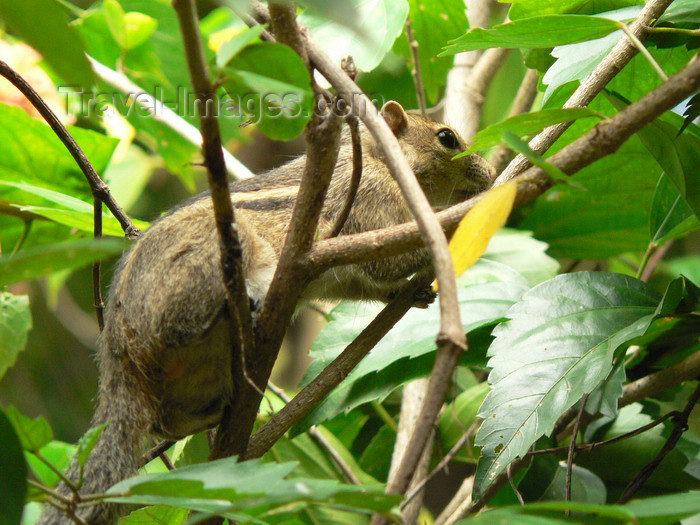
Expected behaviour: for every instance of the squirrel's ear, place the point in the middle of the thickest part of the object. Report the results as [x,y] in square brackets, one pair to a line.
[395,116]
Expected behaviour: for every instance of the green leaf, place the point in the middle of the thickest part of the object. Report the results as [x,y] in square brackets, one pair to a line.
[525,125]
[13,482]
[114,14]
[58,454]
[534,32]
[405,353]
[47,163]
[382,19]
[33,433]
[528,8]
[37,262]
[521,251]
[586,487]
[434,22]
[576,61]
[57,41]
[15,323]
[87,442]
[139,28]
[681,11]
[557,345]
[670,215]
[231,48]
[279,100]
[243,490]
[459,416]
[520,146]
[157,515]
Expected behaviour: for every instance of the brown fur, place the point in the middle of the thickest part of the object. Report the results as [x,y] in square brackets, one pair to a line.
[164,352]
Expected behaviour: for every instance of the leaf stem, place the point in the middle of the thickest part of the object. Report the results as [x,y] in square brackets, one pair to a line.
[644,51]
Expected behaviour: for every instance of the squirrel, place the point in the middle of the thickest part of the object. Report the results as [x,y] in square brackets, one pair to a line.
[165,357]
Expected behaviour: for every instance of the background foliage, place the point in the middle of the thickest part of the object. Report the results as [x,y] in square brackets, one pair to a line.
[544,334]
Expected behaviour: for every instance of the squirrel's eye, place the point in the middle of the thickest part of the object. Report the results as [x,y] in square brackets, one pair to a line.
[448,138]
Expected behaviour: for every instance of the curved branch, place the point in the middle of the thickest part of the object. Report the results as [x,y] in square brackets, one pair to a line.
[99,188]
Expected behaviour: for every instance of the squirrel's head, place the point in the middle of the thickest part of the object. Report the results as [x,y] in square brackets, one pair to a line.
[430,147]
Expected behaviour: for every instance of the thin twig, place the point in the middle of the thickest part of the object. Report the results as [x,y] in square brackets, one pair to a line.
[572,449]
[53,493]
[96,267]
[231,250]
[590,447]
[444,461]
[593,84]
[355,177]
[511,480]
[416,69]
[644,51]
[68,482]
[156,451]
[100,190]
[331,376]
[680,425]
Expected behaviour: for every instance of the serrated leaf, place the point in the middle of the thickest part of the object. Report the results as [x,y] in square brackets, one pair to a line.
[157,515]
[576,61]
[33,433]
[87,442]
[557,345]
[37,262]
[535,32]
[255,487]
[405,353]
[54,38]
[476,229]
[13,482]
[526,124]
[15,323]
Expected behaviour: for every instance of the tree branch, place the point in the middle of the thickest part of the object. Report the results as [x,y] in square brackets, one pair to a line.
[680,425]
[331,376]
[99,188]
[236,295]
[594,83]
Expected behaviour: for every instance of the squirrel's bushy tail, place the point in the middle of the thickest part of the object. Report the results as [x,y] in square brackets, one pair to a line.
[117,454]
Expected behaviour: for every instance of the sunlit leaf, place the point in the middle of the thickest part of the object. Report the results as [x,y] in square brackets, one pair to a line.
[534,32]
[15,323]
[32,433]
[475,230]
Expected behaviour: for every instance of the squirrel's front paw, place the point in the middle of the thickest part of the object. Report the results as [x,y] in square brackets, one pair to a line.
[424,297]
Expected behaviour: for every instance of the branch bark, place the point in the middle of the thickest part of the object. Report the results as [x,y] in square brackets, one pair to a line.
[594,83]
[236,295]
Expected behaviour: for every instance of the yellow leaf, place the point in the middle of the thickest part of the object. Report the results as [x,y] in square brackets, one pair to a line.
[477,227]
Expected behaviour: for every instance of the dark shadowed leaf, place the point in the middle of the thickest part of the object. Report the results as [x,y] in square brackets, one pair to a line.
[57,41]
[13,481]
